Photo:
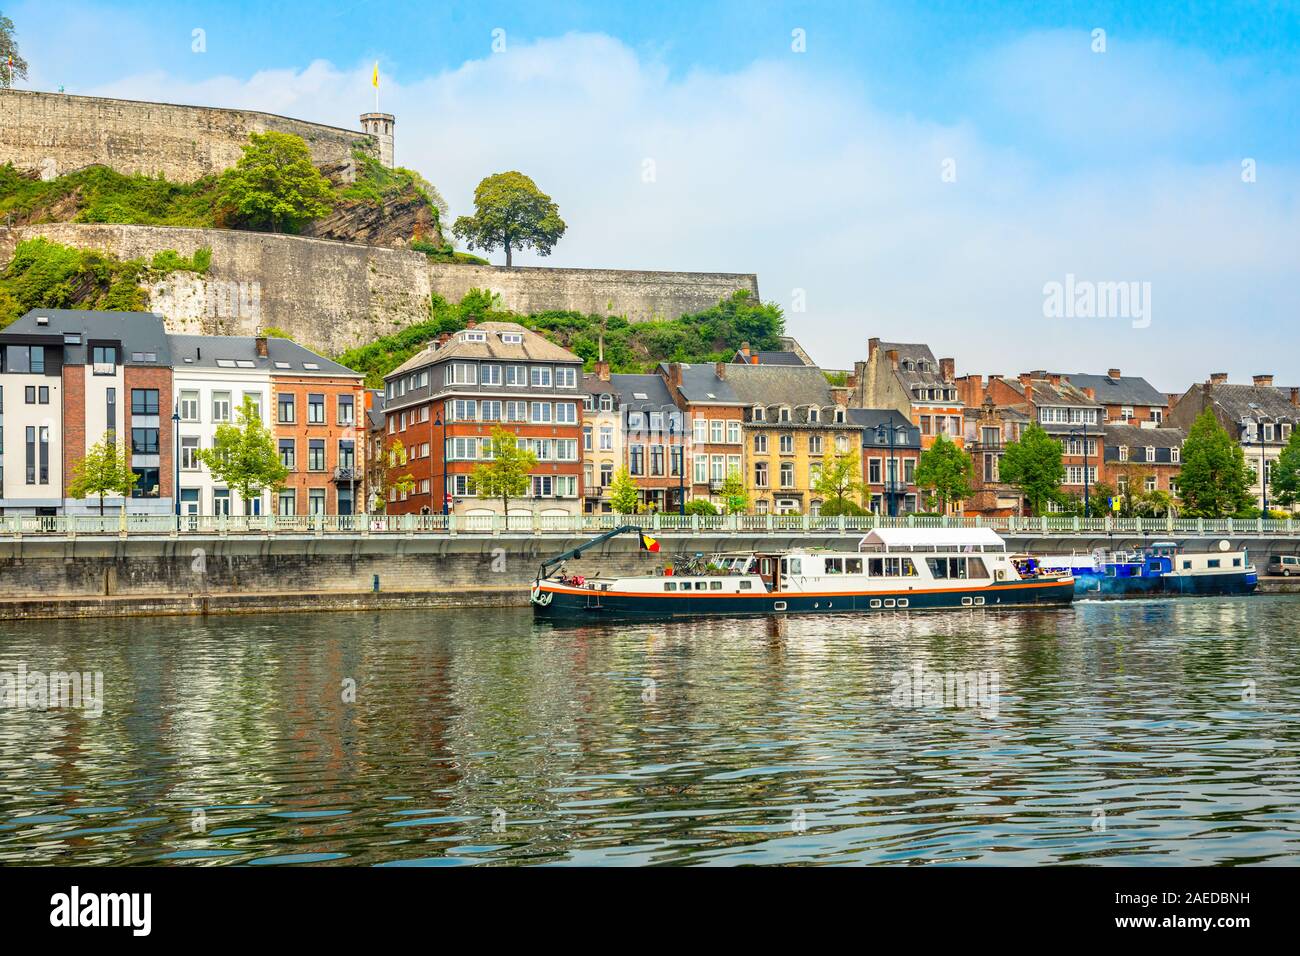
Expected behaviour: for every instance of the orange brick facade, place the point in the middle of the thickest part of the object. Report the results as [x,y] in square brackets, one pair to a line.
[321,470]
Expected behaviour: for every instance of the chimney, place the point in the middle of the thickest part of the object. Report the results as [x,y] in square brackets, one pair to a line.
[872,345]
[1091,393]
[675,374]
[260,343]
[948,368]
[1218,378]
[840,394]
[1112,373]
[852,380]
[443,339]
[720,368]
[1295,396]
[602,370]
[1029,394]
[471,323]
[744,350]
[1026,378]
[1263,381]
[1054,379]
[892,354]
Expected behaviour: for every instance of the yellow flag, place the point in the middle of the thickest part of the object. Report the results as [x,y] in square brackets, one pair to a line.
[374,80]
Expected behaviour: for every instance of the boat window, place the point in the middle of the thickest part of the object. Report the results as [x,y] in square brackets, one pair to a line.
[715,585]
[796,565]
[976,568]
[670,585]
[834,565]
[877,566]
[767,565]
[1187,565]
[938,567]
[700,585]
[1213,562]
[852,565]
[907,569]
[1236,562]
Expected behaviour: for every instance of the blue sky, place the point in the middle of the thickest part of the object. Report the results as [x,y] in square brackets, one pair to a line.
[823,170]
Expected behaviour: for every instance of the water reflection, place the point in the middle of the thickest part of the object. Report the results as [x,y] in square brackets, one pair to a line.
[1132,732]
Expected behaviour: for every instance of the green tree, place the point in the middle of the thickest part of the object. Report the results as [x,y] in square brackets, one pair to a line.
[394,459]
[1033,464]
[12,65]
[244,457]
[734,496]
[946,470]
[700,506]
[506,475]
[274,185]
[105,470]
[839,483]
[510,212]
[624,494]
[1214,481]
[1286,472]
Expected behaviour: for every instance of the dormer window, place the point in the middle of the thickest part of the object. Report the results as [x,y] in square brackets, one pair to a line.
[839,415]
[512,338]
[606,402]
[812,415]
[1151,453]
[908,365]
[923,366]
[785,413]
[759,413]
[1123,452]
[473,336]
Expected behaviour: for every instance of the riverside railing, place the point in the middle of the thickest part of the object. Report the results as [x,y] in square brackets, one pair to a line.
[671,524]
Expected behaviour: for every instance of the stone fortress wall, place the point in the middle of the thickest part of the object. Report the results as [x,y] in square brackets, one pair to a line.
[58,133]
[328,295]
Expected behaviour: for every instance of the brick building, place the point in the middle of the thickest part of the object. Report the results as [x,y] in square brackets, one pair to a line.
[654,440]
[1124,398]
[443,404]
[1144,458]
[907,377]
[320,431]
[888,469]
[715,416]
[602,439]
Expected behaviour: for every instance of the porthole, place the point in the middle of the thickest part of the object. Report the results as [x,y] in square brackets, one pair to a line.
[979,601]
[875,602]
[778,606]
[889,602]
[903,602]
[967,602]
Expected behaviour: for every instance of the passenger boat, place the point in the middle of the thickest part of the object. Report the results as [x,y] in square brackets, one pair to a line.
[1161,569]
[893,569]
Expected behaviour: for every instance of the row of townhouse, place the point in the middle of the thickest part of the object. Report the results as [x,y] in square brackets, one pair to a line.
[71,378]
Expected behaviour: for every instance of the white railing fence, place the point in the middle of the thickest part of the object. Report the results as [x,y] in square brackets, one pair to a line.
[671,524]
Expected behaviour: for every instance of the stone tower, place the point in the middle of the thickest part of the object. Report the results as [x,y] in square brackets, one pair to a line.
[380,126]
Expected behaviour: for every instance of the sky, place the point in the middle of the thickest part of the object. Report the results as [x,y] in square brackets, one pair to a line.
[963,174]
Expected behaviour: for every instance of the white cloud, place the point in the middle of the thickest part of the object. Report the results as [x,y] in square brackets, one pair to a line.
[788,172]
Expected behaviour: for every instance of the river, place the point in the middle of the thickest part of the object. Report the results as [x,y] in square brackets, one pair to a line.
[1143,732]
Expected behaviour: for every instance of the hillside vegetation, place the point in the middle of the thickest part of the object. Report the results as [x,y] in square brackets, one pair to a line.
[709,336]
[44,274]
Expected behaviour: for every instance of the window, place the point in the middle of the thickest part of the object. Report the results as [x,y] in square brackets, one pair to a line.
[541,376]
[873,471]
[636,459]
[489,374]
[221,406]
[347,454]
[760,474]
[29,394]
[30,435]
[144,441]
[566,378]
[110,399]
[288,501]
[815,444]
[144,401]
[316,409]
[760,444]
[733,432]
[316,454]
[286,405]
[787,444]
[606,437]
[606,474]
[715,431]
[316,501]
[289,454]
[586,438]
[701,469]
[516,375]
[189,453]
[566,413]
[1175,454]
[700,428]
[656,460]
[103,360]
[787,474]
[490,411]
[347,413]
[606,402]
[189,406]
[146,483]
[1151,453]
[460,373]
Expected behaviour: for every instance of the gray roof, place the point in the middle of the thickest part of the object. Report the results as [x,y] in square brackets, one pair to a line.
[532,347]
[872,418]
[1125,390]
[769,358]
[925,368]
[1046,393]
[240,351]
[700,383]
[1133,436]
[1252,401]
[779,385]
[593,384]
[631,388]
[139,332]
[376,410]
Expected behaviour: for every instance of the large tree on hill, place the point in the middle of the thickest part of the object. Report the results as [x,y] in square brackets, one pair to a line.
[274,185]
[12,65]
[1033,464]
[510,212]
[1214,481]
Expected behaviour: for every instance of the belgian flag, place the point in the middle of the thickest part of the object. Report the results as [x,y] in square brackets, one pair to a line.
[648,543]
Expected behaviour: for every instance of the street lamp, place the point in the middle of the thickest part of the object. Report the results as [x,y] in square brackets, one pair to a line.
[176,462]
[891,504]
[439,423]
[1087,507]
[681,464]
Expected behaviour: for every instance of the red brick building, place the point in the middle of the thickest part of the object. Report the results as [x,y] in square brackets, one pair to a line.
[321,434]
[442,405]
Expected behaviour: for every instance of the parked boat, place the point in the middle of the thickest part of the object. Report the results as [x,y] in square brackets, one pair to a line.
[893,569]
[1163,568]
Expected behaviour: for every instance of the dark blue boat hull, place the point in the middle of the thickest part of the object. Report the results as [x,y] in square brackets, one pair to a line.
[566,603]
[1091,585]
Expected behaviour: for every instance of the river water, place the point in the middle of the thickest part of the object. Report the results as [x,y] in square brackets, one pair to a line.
[1152,732]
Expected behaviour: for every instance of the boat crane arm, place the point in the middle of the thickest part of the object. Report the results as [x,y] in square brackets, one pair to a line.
[550,563]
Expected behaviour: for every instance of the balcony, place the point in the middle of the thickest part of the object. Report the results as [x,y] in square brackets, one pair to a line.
[347,475]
